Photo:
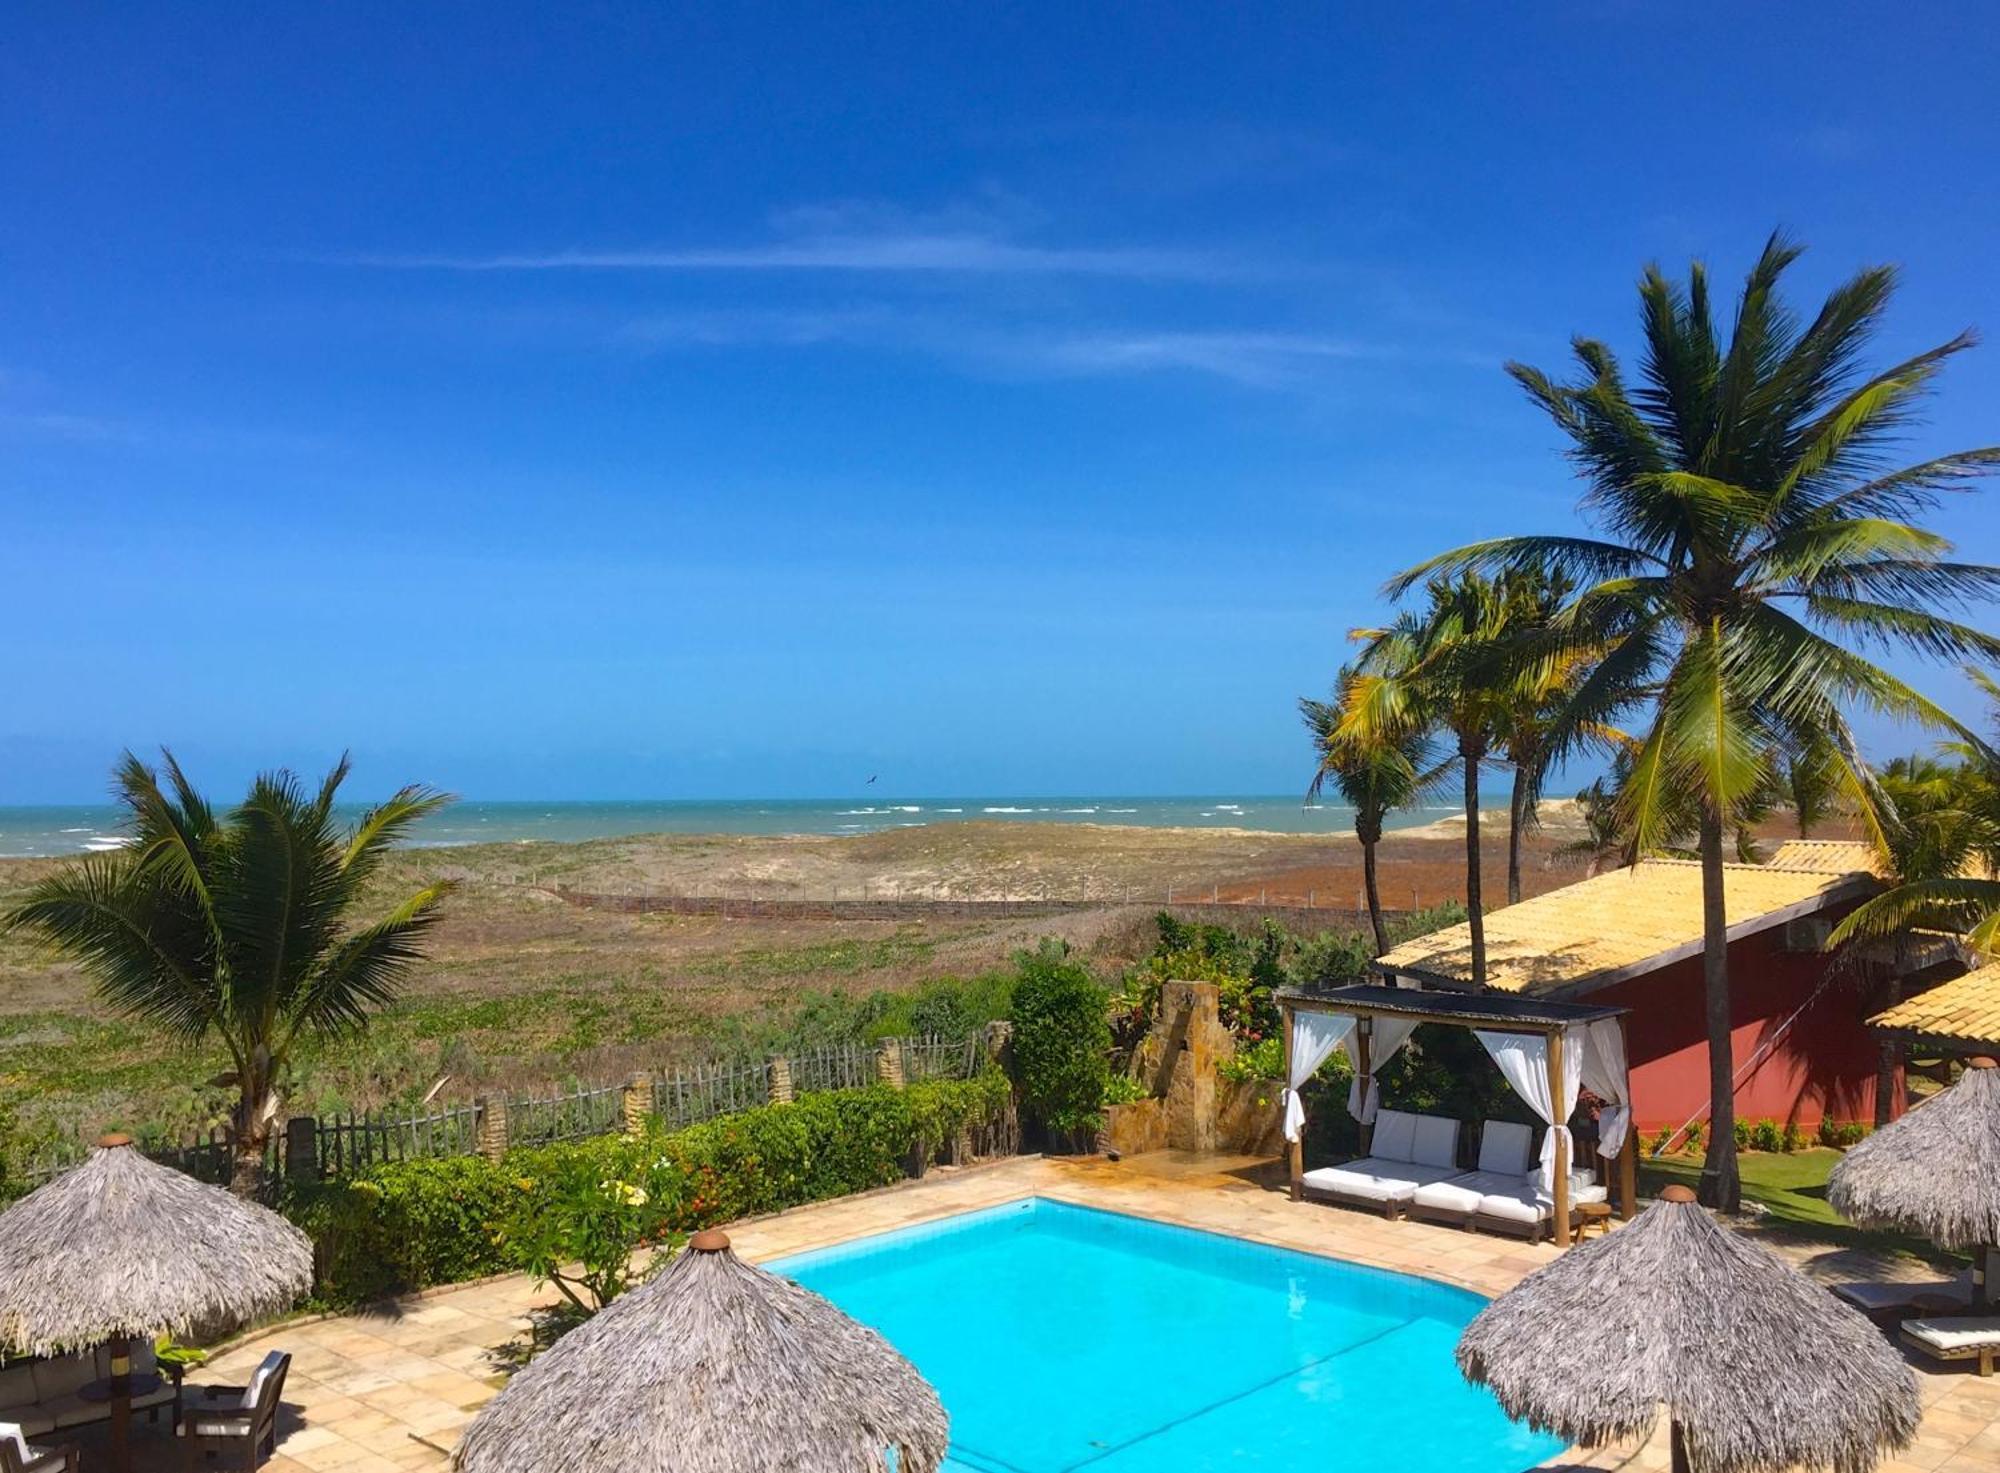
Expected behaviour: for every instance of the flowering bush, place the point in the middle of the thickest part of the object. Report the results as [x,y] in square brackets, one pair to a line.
[578,1218]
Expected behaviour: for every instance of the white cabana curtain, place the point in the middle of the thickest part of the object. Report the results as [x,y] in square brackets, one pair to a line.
[1605,1075]
[1386,1036]
[1314,1038]
[1524,1060]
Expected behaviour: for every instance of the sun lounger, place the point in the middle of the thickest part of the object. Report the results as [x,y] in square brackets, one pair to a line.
[1505,1153]
[1409,1151]
[1502,1195]
[1887,1300]
[1963,1337]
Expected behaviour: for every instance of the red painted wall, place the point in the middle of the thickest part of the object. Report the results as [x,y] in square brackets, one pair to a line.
[1823,1066]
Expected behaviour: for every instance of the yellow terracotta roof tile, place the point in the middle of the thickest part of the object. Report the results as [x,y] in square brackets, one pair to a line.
[1966,1010]
[1613,925]
[1825,856]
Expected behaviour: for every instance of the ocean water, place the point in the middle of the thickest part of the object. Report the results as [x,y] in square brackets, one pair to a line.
[1061,1337]
[48,831]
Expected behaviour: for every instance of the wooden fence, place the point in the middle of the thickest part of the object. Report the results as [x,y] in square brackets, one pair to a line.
[679,1095]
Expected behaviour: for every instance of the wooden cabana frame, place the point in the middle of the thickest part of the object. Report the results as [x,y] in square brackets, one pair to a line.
[1487,1012]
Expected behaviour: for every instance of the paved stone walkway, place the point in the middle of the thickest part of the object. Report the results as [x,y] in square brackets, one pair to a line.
[392,1390]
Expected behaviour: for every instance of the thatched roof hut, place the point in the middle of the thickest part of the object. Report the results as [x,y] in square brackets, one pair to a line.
[1758,1368]
[1936,1171]
[713,1367]
[122,1247]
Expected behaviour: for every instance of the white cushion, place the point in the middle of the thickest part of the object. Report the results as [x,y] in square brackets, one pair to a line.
[1872,1296]
[63,1376]
[266,1369]
[1373,1179]
[1463,1193]
[74,1411]
[1506,1147]
[11,1432]
[238,1426]
[1436,1142]
[1527,1204]
[17,1386]
[1395,1136]
[1959,1335]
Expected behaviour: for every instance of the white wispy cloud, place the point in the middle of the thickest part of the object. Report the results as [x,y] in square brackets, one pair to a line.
[962,254]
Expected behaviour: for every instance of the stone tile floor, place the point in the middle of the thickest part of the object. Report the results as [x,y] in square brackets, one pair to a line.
[392,1389]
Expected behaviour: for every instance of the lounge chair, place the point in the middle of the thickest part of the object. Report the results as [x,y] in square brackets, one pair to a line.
[1506,1153]
[18,1455]
[1502,1196]
[241,1422]
[1409,1151]
[1891,1301]
[1958,1337]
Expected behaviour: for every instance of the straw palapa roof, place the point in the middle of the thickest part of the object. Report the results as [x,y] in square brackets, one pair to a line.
[713,1367]
[122,1246]
[1760,1369]
[1936,1171]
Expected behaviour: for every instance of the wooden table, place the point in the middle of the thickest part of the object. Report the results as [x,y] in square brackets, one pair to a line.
[1592,1216]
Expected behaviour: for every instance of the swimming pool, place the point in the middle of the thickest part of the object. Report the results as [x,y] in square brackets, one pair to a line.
[1064,1337]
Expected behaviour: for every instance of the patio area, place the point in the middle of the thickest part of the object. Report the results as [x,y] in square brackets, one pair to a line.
[393,1390]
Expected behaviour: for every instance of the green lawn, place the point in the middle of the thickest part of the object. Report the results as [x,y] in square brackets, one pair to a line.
[1792,1186]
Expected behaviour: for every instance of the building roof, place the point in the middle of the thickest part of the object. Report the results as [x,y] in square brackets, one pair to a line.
[1963,1011]
[1619,925]
[1473,1009]
[1826,856]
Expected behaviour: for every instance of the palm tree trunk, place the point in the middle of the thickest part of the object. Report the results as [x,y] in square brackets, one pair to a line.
[250,1133]
[1721,1189]
[1517,810]
[1368,884]
[1474,918]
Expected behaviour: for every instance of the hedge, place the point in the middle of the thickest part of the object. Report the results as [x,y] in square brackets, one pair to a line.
[410,1224]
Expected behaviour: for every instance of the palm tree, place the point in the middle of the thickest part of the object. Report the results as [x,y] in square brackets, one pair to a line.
[238,927]
[1449,668]
[1373,774]
[1749,526]
[1808,781]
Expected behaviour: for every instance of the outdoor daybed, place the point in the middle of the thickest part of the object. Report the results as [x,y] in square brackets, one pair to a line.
[1409,1151]
[1502,1194]
[1890,1300]
[1961,1337]
[45,1396]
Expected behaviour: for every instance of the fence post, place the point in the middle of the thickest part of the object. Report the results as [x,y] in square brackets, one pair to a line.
[637,1099]
[889,1062]
[781,1080]
[492,1126]
[302,1148]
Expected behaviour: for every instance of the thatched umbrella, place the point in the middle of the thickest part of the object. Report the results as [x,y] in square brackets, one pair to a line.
[1758,1368]
[122,1248]
[713,1367]
[1936,1172]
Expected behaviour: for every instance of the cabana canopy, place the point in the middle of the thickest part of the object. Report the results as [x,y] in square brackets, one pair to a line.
[713,1367]
[1758,1368]
[1548,1051]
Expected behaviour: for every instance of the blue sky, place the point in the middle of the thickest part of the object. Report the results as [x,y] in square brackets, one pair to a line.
[634,401]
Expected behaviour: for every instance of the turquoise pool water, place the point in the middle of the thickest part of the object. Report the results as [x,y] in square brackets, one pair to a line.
[1062,1338]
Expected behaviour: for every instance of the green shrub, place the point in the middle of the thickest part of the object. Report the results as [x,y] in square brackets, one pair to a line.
[1697,1133]
[1264,1059]
[1840,1134]
[411,1224]
[403,1226]
[1061,1043]
[1123,1089]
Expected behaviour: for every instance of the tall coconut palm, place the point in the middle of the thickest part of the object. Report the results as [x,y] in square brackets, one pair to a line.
[1751,533]
[1449,667]
[242,928]
[1374,774]
[1809,782]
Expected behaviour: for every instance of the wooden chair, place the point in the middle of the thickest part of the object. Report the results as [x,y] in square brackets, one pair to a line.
[18,1455]
[240,1422]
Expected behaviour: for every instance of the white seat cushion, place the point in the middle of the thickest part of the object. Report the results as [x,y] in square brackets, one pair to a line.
[1395,1136]
[1959,1335]
[237,1426]
[17,1386]
[74,1411]
[1464,1193]
[268,1367]
[1871,1296]
[1526,1204]
[1373,1180]
[11,1432]
[1435,1142]
[1506,1148]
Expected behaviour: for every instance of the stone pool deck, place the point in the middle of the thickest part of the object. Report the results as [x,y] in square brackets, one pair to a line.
[392,1389]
